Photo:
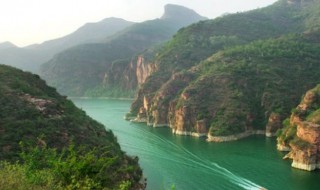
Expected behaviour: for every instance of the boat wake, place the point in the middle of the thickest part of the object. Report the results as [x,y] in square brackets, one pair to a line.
[184,157]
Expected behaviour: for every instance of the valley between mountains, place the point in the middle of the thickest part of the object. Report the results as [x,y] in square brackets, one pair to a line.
[223,79]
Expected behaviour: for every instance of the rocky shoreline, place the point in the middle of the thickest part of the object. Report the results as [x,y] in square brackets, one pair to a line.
[303,166]
[235,137]
[188,133]
[283,148]
[209,137]
[301,136]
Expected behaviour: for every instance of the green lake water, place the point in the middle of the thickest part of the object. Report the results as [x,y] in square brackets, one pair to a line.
[191,163]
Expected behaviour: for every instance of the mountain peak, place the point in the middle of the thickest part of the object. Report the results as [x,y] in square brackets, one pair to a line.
[178,12]
[5,45]
[113,19]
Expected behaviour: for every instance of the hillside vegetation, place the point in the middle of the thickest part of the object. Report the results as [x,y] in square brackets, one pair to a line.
[61,145]
[234,74]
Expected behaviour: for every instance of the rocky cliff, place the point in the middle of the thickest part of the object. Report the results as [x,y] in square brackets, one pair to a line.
[301,136]
[125,76]
[221,97]
[143,69]
[206,84]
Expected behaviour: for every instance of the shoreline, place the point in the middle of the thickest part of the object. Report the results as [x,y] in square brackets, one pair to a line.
[188,133]
[209,138]
[303,166]
[106,98]
[220,139]
[235,137]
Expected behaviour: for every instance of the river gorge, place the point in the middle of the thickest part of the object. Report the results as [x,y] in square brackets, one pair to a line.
[187,162]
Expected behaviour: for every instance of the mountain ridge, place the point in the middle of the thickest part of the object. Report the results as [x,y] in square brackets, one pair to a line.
[178,12]
[94,62]
[31,57]
[6,45]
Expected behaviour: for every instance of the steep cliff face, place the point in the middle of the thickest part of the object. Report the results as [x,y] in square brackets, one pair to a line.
[274,123]
[301,136]
[143,69]
[160,104]
[123,77]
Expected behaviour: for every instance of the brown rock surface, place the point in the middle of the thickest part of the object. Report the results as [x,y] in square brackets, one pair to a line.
[305,143]
[143,69]
[309,132]
[274,123]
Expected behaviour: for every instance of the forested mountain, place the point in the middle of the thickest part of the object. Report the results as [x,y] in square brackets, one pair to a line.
[31,57]
[233,76]
[106,69]
[71,148]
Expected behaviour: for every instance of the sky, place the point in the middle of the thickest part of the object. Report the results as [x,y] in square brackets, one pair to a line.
[25,22]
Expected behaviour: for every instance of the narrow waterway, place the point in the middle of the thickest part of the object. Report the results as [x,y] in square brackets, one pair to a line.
[190,163]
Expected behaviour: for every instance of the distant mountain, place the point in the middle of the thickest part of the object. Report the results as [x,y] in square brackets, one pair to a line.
[25,59]
[104,69]
[89,33]
[180,14]
[6,45]
[29,58]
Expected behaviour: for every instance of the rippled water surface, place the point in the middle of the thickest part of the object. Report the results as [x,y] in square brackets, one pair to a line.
[190,163]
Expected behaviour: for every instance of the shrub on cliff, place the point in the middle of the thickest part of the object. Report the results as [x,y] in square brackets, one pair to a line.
[307,111]
[72,168]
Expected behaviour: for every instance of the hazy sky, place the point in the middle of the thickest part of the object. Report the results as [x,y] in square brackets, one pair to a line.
[25,22]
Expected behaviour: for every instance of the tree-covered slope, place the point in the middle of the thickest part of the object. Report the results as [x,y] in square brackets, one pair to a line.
[86,69]
[241,85]
[35,114]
